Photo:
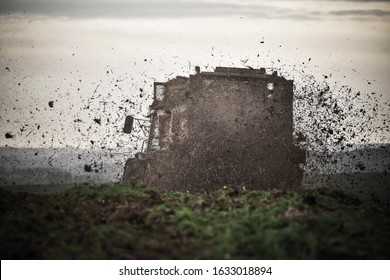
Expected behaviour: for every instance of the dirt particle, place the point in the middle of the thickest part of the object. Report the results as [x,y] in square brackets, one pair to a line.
[87,168]
[8,135]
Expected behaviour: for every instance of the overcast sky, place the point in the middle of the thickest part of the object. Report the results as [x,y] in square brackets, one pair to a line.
[199,8]
[97,60]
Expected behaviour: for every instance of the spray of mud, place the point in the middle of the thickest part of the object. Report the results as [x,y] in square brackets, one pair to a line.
[334,123]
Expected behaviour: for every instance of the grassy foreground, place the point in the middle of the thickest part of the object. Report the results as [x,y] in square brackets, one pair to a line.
[134,222]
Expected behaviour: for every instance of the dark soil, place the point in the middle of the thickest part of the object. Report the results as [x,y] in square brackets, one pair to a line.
[135,222]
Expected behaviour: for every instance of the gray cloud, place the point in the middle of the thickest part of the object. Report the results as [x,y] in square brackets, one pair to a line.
[117,8]
[178,9]
[372,12]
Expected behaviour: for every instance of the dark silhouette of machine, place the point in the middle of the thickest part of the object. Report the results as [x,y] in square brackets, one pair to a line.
[232,126]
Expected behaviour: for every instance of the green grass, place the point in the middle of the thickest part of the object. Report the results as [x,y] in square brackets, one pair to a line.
[135,222]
